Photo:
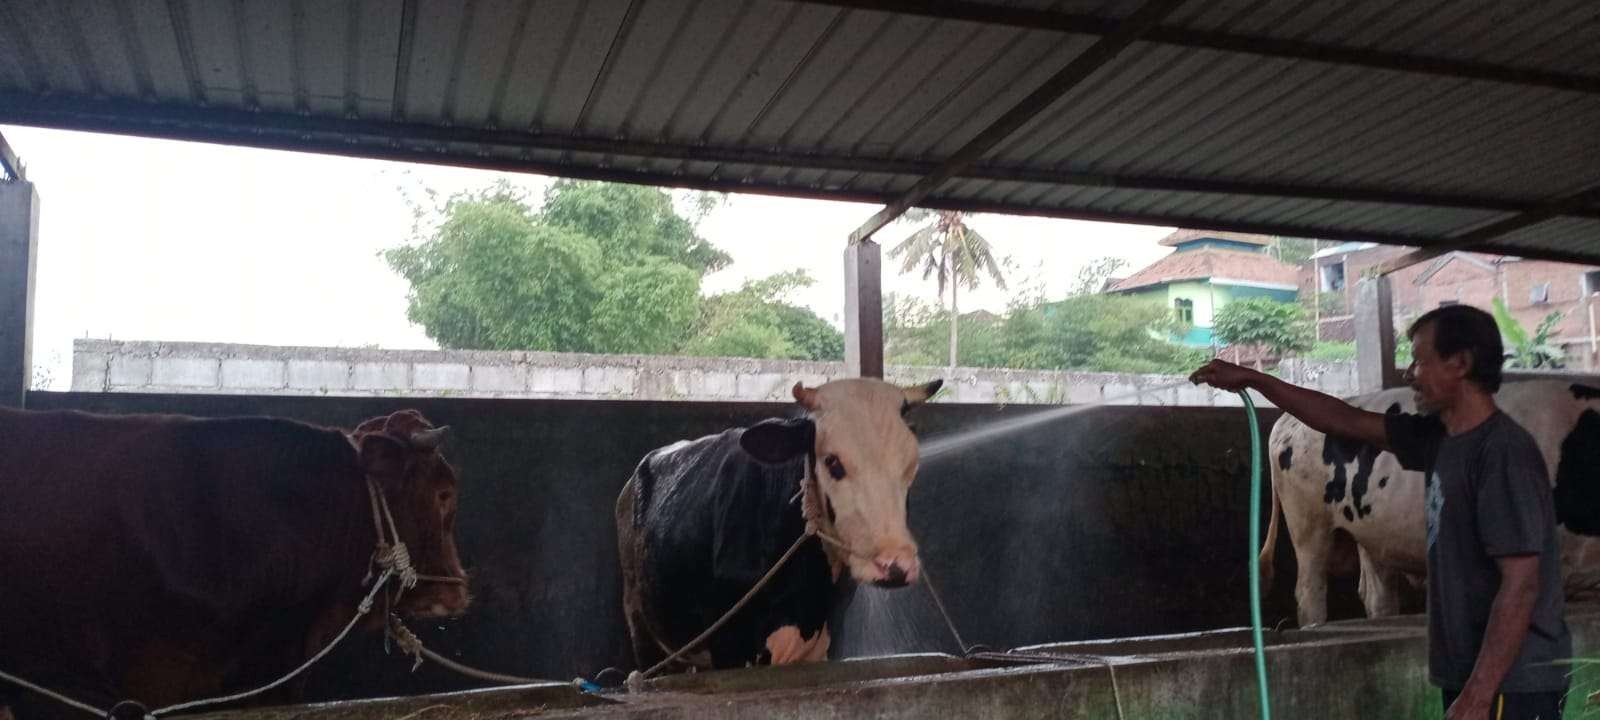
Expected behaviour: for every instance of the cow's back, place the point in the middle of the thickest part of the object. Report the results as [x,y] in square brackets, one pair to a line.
[1327,484]
[140,537]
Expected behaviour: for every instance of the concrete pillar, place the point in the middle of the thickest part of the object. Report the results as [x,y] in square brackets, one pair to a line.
[1374,325]
[863,309]
[19,244]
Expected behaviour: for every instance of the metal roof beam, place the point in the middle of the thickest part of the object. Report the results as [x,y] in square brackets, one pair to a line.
[205,124]
[1031,19]
[10,166]
[1472,239]
[433,153]
[1081,67]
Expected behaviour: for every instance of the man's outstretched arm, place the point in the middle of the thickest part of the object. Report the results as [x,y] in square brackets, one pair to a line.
[1323,413]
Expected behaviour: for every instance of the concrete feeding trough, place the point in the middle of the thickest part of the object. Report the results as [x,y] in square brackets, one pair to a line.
[1358,668]
[517,701]
[1230,640]
[853,670]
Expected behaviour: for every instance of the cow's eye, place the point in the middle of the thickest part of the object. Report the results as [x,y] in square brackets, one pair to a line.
[835,468]
[445,496]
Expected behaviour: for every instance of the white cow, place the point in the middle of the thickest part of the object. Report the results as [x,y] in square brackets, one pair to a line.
[1325,484]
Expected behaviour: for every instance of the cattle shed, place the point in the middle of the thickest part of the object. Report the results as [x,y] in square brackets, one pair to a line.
[1438,124]
[1431,123]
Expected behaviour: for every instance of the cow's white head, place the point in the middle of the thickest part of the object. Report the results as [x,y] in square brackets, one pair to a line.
[864,458]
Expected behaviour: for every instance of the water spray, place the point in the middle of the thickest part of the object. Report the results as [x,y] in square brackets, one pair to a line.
[950,444]
[961,441]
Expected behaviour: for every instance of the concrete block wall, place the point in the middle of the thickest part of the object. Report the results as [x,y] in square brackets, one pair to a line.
[1335,377]
[215,368]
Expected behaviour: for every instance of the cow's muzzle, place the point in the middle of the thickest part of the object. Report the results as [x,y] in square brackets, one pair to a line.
[893,577]
[895,571]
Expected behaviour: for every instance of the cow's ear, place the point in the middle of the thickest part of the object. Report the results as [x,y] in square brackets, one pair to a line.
[918,394]
[776,441]
[382,456]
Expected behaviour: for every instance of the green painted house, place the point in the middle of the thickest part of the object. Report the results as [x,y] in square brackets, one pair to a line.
[1205,272]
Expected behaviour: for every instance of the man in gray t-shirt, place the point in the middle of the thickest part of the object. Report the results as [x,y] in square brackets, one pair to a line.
[1488,497]
[1495,608]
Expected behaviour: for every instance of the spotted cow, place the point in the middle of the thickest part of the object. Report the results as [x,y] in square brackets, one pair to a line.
[1327,486]
[701,521]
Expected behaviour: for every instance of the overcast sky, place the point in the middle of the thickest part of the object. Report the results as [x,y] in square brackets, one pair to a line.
[159,240]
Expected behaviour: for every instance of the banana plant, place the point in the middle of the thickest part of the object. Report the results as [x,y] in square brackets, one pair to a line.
[1529,351]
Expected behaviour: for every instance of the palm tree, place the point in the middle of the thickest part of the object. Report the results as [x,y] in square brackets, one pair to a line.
[950,251]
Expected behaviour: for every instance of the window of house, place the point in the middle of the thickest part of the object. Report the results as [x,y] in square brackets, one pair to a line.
[1539,294]
[1333,276]
[1591,282]
[1185,310]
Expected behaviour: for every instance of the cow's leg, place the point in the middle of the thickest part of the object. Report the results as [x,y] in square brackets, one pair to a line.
[1380,588]
[1313,546]
[788,645]
[819,646]
[646,651]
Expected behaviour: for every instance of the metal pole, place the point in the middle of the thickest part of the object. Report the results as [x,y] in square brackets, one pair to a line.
[863,310]
[1593,349]
[19,251]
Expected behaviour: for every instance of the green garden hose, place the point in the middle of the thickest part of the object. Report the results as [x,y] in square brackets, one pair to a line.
[1255,542]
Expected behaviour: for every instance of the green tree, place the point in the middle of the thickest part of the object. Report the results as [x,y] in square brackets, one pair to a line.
[1265,324]
[757,321]
[1292,250]
[1530,351]
[1093,275]
[951,252]
[812,337]
[631,221]
[600,268]
[911,331]
[1109,333]
[644,308]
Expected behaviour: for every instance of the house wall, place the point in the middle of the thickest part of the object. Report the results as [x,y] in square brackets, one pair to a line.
[1464,281]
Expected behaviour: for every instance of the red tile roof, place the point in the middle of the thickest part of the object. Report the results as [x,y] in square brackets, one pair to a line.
[1211,263]
[1183,236]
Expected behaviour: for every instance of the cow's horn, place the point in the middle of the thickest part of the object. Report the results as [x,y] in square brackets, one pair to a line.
[429,439]
[807,397]
[917,394]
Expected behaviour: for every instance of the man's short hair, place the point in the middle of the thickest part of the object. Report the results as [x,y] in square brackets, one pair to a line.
[1463,328]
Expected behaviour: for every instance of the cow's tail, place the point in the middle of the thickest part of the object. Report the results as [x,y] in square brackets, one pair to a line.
[1269,545]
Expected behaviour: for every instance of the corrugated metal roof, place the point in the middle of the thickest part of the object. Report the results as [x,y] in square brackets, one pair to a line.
[1409,121]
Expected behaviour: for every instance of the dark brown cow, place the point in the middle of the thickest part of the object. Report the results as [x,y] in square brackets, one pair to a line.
[167,558]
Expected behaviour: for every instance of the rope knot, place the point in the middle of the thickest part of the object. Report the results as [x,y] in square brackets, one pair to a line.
[408,641]
[397,559]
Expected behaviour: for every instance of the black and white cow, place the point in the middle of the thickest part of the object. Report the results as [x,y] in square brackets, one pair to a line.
[1327,484]
[701,521]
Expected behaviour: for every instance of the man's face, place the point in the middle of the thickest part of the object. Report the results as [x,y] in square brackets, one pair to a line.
[1436,380]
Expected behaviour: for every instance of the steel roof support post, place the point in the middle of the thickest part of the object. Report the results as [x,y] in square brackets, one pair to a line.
[863,309]
[1374,321]
[19,251]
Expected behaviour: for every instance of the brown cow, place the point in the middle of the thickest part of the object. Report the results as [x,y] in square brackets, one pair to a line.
[164,558]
